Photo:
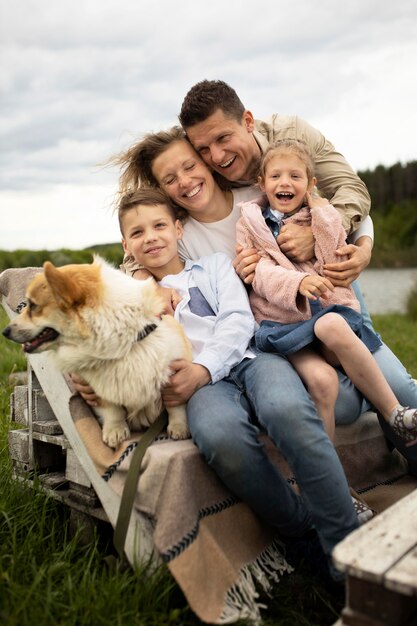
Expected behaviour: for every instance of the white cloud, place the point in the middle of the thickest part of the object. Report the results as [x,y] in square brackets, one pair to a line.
[81,80]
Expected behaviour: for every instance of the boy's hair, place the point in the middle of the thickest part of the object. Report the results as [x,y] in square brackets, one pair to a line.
[205,98]
[146,196]
[136,162]
[288,146]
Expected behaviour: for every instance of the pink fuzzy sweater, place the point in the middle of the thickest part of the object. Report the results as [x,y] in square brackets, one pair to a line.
[275,293]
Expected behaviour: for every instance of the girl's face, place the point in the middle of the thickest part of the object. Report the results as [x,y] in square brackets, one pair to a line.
[286,182]
[184,177]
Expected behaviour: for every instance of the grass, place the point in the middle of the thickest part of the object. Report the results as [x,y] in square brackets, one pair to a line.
[399,332]
[48,578]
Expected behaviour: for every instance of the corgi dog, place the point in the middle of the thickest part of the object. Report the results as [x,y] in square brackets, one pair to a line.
[109,329]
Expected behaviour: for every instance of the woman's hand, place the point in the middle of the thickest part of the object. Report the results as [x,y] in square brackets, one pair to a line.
[245,263]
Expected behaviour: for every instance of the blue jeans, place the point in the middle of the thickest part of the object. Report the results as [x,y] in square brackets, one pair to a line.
[225,419]
[351,403]
[364,309]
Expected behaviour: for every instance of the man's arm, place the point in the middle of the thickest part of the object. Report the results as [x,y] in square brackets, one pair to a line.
[336,179]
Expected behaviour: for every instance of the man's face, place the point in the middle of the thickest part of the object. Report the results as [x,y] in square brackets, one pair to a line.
[227,146]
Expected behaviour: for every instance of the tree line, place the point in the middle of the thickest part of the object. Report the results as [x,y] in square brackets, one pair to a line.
[391,185]
[393,192]
[113,252]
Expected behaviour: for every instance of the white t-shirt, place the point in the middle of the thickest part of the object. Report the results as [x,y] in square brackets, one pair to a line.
[204,238]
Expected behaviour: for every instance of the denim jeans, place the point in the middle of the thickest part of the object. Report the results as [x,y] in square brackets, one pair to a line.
[266,393]
[351,403]
[364,309]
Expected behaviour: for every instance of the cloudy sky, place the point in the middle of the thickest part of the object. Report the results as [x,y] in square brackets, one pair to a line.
[81,79]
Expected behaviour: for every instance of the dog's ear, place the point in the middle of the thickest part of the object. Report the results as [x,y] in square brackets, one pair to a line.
[65,288]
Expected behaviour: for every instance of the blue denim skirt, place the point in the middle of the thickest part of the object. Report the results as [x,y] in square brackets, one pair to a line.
[288,338]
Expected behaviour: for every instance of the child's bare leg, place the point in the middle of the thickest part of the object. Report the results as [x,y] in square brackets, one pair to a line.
[322,383]
[362,369]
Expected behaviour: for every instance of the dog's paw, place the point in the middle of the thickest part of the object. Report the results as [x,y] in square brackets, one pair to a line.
[178,431]
[115,435]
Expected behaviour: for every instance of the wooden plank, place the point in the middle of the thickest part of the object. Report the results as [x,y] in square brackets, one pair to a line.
[74,471]
[49,427]
[42,411]
[369,603]
[403,576]
[19,445]
[19,405]
[374,548]
[55,440]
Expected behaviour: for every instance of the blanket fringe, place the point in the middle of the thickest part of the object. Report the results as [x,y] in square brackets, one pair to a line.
[241,600]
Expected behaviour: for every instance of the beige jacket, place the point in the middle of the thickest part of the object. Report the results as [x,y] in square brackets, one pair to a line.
[336,180]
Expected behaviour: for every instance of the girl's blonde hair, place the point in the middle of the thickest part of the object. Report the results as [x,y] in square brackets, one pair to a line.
[288,146]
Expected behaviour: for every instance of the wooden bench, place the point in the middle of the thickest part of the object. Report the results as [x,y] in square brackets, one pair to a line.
[380,561]
[48,445]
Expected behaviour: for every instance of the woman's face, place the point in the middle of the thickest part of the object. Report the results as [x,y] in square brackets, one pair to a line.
[184,176]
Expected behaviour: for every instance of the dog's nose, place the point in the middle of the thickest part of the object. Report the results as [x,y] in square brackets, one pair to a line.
[7,331]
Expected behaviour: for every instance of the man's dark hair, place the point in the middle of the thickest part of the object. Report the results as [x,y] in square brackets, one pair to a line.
[205,98]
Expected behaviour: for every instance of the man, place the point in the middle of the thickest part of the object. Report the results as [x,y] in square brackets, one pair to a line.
[231,142]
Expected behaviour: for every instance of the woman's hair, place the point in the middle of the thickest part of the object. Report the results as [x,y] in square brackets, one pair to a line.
[147,196]
[136,162]
[288,146]
[205,98]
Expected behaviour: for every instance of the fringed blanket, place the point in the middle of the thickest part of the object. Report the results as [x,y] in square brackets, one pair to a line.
[218,551]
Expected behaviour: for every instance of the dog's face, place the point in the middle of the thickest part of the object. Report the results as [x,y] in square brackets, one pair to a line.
[55,299]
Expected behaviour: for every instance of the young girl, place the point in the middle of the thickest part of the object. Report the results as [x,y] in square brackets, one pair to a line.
[302,314]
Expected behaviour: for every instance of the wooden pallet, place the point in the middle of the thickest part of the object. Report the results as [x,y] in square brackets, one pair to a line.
[49,446]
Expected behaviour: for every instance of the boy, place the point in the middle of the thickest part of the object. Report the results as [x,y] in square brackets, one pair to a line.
[244,387]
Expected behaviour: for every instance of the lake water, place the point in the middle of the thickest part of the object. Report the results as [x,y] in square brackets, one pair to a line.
[386,290]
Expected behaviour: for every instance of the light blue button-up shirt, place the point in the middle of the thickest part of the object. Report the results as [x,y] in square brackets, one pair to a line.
[220,340]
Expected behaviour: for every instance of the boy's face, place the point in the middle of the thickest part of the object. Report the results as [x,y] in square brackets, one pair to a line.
[286,182]
[227,146]
[150,236]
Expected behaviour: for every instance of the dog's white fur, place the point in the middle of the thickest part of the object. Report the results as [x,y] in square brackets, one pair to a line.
[99,312]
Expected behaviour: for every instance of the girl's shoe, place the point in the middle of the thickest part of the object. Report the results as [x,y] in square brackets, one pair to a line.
[408,452]
[399,424]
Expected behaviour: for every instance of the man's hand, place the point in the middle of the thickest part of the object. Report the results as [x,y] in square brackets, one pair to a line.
[187,377]
[344,273]
[86,392]
[314,287]
[245,263]
[296,242]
